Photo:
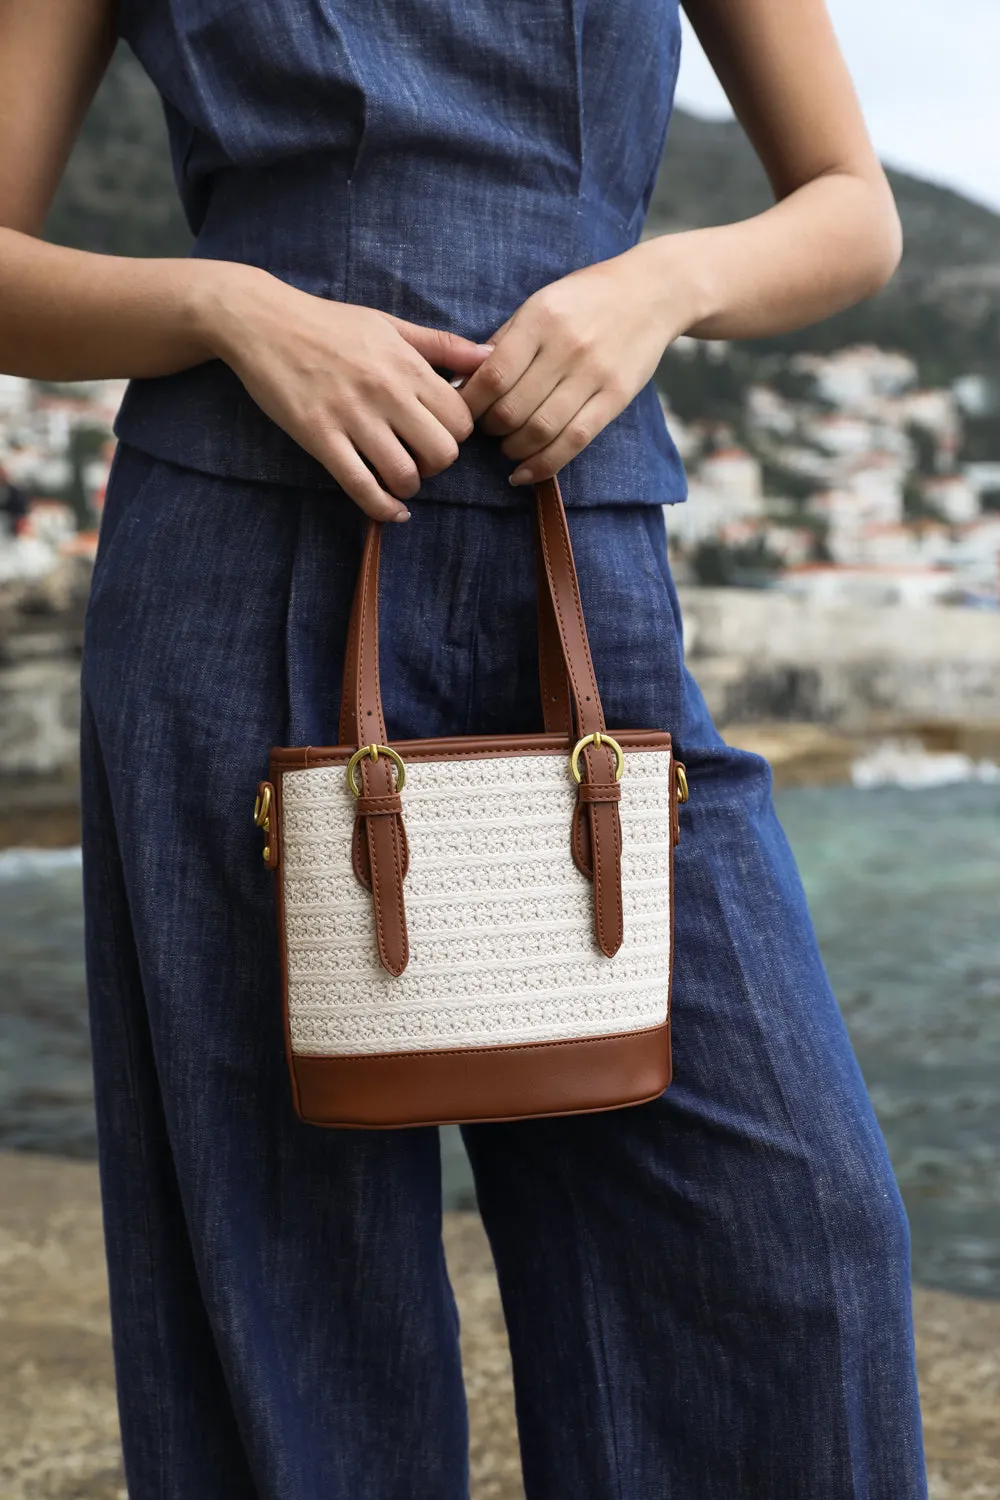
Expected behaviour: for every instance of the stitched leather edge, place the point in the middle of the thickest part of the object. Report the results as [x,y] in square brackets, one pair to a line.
[464,1085]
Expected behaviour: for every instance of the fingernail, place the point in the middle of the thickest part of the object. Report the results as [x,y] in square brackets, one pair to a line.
[485,346]
[402,515]
[519,476]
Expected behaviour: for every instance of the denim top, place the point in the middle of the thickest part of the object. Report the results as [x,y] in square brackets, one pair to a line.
[438,159]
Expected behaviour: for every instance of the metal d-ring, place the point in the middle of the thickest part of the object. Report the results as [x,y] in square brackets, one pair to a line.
[597,738]
[375,751]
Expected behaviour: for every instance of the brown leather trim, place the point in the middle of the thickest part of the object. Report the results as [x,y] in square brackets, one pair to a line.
[557,708]
[460,747]
[606,857]
[390,1090]
[604,791]
[279,907]
[564,588]
[377,806]
[579,842]
[359,852]
[383,867]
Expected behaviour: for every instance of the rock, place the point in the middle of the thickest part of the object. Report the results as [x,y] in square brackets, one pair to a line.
[58,1432]
[760,654]
[799,754]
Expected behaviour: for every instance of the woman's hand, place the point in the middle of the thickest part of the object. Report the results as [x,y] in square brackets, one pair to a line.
[346,382]
[572,356]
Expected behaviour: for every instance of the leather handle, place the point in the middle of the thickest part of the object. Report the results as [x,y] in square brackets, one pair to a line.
[566,671]
[564,661]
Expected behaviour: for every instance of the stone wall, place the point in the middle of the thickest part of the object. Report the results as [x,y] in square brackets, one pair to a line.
[763,655]
[757,656]
[41,633]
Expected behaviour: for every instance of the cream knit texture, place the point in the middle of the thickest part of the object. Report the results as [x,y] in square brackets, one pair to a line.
[500,921]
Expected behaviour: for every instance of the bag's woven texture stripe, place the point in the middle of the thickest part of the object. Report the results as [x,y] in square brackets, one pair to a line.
[501,922]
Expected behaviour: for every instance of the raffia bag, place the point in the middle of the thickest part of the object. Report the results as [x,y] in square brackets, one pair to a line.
[476,928]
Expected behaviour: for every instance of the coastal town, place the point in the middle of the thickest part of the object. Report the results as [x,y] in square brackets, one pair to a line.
[853,488]
[841,477]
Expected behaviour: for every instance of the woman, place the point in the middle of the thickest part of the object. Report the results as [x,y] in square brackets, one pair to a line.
[707,1295]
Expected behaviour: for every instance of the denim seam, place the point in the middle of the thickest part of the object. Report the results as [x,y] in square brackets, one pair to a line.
[830,1259]
[474,643]
[588,1266]
[87,708]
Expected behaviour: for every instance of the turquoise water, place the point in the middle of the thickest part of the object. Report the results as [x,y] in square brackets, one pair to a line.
[905,890]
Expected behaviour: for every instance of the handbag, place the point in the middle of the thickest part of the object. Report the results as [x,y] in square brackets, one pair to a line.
[476,928]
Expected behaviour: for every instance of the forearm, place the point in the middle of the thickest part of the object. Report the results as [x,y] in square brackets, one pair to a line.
[826,246]
[71,315]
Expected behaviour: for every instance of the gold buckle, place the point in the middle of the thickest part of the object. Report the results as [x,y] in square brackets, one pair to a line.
[597,738]
[262,816]
[682,782]
[375,751]
[262,808]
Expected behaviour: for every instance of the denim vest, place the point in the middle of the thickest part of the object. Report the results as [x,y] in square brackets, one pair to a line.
[438,159]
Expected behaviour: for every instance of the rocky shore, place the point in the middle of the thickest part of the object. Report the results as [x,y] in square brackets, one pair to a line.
[58,1433]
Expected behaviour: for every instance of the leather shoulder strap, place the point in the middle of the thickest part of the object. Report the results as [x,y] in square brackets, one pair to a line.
[564,658]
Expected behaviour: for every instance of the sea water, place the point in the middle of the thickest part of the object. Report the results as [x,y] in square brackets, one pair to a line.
[904,885]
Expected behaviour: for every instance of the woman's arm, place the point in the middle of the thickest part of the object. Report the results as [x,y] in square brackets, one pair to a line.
[578,350]
[833,236]
[343,380]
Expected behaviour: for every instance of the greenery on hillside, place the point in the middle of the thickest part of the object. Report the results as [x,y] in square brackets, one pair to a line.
[943,306]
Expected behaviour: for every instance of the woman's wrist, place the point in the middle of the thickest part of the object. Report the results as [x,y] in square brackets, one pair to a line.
[219,296]
[681,290]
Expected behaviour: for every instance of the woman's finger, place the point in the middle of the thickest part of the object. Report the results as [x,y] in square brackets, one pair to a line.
[338,454]
[374,437]
[433,446]
[527,395]
[442,350]
[440,397]
[535,431]
[502,369]
[580,430]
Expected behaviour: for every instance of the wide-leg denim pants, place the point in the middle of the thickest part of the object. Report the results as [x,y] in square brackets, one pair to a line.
[707,1296]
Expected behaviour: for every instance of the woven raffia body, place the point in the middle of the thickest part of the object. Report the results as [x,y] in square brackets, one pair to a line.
[500,920]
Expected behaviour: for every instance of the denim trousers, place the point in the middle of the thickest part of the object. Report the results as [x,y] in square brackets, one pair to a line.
[707,1296]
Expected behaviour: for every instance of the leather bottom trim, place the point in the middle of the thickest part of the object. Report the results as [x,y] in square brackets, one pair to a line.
[389,1090]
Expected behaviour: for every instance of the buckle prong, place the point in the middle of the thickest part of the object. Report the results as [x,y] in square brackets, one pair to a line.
[373,751]
[598,738]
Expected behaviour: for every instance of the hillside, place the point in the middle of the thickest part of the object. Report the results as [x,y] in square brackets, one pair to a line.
[943,306]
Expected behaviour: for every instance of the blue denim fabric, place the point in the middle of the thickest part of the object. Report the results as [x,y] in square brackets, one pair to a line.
[438,159]
[707,1296]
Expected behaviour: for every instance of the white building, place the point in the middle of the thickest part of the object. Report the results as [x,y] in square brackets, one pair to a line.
[736,474]
[726,487]
[855,377]
[975,555]
[770,411]
[975,395]
[954,496]
[15,397]
[843,435]
[913,585]
[982,476]
[50,521]
[687,440]
[936,411]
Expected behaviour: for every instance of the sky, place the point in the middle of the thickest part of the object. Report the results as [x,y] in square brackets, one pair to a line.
[927,73]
